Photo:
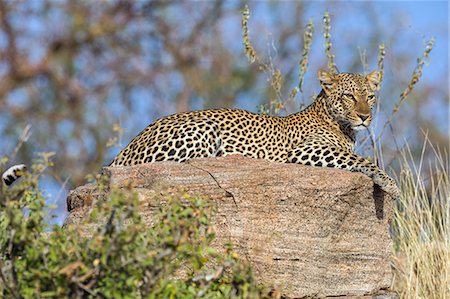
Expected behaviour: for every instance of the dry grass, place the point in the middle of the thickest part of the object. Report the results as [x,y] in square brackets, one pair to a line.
[421,231]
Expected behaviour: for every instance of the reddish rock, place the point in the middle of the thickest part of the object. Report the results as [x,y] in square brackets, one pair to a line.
[308,231]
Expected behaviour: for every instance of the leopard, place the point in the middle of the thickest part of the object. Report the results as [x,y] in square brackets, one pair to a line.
[322,135]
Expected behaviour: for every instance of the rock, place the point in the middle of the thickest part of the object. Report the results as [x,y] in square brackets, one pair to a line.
[310,232]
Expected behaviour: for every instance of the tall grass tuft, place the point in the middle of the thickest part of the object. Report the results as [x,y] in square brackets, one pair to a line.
[275,80]
[381,55]
[421,230]
[250,52]
[415,78]
[304,62]
[327,43]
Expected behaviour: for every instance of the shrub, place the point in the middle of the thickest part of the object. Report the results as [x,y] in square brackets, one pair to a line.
[123,257]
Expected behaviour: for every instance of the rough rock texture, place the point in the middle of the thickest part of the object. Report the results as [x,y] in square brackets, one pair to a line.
[309,231]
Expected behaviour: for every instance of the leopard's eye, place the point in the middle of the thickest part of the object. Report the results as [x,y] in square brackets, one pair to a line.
[350,96]
[370,97]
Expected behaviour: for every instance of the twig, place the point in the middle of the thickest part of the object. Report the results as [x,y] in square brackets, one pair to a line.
[26,133]
[11,250]
[5,282]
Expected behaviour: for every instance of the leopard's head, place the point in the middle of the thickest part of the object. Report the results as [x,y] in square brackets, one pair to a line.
[350,97]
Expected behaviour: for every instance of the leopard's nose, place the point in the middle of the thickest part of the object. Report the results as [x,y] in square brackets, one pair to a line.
[363,117]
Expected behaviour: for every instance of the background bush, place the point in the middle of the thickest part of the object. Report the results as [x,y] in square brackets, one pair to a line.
[123,258]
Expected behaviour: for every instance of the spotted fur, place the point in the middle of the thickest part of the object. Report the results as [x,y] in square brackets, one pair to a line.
[13,173]
[321,135]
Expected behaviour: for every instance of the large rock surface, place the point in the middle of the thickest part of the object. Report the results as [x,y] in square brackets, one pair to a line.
[311,232]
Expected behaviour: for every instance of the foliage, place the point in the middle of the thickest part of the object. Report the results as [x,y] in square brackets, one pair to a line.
[123,258]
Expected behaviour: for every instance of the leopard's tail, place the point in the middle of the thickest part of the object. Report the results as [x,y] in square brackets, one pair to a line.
[13,173]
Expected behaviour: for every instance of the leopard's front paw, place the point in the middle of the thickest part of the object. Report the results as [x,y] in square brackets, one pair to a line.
[388,185]
[392,190]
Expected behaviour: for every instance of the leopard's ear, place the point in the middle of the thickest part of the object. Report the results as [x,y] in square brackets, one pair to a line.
[374,79]
[327,81]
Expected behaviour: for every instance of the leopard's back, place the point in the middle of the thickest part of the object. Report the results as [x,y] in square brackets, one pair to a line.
[207,133]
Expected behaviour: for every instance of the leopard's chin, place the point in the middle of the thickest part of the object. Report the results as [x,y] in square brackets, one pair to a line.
[359,127]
